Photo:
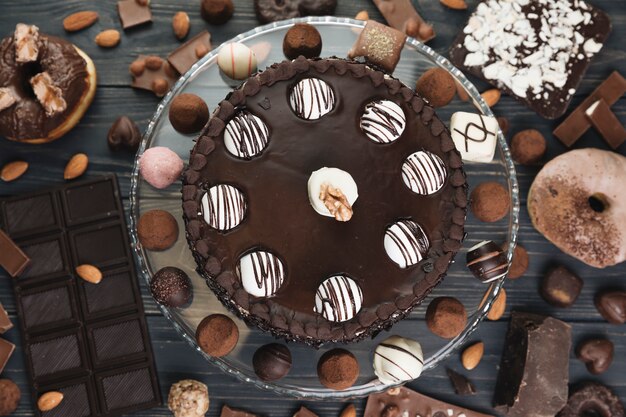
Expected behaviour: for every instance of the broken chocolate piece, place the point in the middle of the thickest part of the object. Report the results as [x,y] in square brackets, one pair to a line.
[7,98]
[577,123]
[402,401]
[133,13]
[606,123]
[534,370]
[561,287]
[49,95]
[183,57]
[12,259]
[6,350]
[153,74]
[462,385]
[304,412]
[5,321]
[231,412]
[401,15]
[380,45]
[26,39]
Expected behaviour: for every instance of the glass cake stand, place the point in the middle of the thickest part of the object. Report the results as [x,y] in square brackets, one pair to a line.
[205,80]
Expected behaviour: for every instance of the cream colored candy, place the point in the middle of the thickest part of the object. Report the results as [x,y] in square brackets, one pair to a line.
[237,61]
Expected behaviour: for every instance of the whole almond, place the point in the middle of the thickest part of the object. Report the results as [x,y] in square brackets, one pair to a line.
[108,38]
[76,166]
[13,170]
[498,307]
[89,273]
[362,15]
[454,4]
[180,24]
[349,411]
[471,356]
[79,21]
[491,97]
[49,400]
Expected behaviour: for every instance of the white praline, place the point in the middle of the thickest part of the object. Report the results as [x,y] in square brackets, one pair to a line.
[398,359]
[474,135]
[223,207]
[383,121]
[406,243]
[337,178]
[339,298]
[245,135]
[424,172]
[262,273]
[236,60]
[311,98]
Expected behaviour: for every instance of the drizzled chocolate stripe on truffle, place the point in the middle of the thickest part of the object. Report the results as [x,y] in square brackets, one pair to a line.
[268,272]
[246,135]
[312,98]
[223,207]
[338,298]
[383,121]
[406,243]
[398,359]
[424,172]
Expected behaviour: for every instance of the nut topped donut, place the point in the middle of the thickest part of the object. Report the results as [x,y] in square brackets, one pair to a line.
[46,85]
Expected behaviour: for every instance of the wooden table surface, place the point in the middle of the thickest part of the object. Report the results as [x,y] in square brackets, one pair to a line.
[175,360]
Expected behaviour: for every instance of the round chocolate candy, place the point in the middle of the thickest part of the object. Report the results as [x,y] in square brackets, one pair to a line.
[383,121]
[10,395]
[338,369]
[339,298]
[424,173]
[302,39]
[406,243]
[223,207]
[188,113]
[236,60]
[171,287]
[246,135]
[446,317]
[188,398]
[124,134]
[312,98]
[262,273]
[217,335]
[272,362]
[597,354]
[398,359]
[487,261]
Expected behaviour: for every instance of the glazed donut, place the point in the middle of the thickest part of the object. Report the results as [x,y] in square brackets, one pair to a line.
[593,399]
[46,85]
[577,202]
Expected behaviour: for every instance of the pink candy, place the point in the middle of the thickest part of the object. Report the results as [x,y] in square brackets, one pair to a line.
[160,166]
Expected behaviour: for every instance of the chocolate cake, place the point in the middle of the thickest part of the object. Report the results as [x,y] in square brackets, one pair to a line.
[296,145]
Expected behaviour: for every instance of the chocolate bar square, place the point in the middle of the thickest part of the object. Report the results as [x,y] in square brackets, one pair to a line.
[121,391]
[133,14]
[48,307]
[48,257]
[95,200]
[37,214]
[57,356]
[6,350]
[78,397]
[101,245]
[114,294]
[104,341]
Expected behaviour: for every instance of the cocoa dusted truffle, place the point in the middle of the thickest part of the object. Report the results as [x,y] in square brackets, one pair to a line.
[446,317]
[157,230]
[272,362]
[217,335]
[302,39]
[217,12]
[490,201]
[188,113]
[171,287]
[338,369]
[519,263]
[437,86]
[528,146]
[9,397]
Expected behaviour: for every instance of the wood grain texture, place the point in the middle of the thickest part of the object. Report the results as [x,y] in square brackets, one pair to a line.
[175,360]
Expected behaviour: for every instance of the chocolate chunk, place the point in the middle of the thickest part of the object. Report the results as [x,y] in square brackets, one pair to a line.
[534,370]
[12,258]
[5,322]
[487,261]
[593,399]
[231,412]
[153,74]
[217,12]
[490,201]
[6,350]
[272,10]
[380,45]
[304,412]
[528,146]
[606,123]
[217,335]
[183,57]
[612,306]
[338,369]
[133,13]
[302,39]
[446,317]
[437,86]
[401,15]
[188,113]
[597,354]
[171,287]
[272,362]
[10,395]
[402,401]
[124,134]
[462,385]
[561,287]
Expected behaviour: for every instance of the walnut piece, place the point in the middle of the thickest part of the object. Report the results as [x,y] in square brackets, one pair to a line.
[7,99]
[49,95]
[26,42]
[336,202]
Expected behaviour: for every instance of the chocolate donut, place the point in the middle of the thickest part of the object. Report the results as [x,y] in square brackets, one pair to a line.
[593,399]
[46,85]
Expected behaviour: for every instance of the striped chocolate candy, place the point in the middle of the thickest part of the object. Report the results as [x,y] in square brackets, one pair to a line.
[223,207]
[246,135]
[339,298]
[398,359]
[383,121]
[424,172]
[236,60]
[406,243]
[262,273]
[487,261]
[311,98]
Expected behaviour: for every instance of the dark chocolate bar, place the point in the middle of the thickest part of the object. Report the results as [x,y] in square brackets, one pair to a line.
[88,341]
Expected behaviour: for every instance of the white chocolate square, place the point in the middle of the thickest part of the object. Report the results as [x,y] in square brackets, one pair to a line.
[474,136]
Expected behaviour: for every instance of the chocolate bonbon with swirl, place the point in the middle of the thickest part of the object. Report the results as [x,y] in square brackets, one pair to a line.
[312,98]
[223,207]
[339,298]
[262,273]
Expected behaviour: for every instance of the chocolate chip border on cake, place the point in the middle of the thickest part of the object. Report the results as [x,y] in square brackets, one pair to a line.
[446,239]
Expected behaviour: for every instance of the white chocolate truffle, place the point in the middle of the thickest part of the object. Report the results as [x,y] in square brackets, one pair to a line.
[336,177]
[474,135]
[398,359]
[383,121]
[237,61]
[223,207]
[406,243]
[188,398]
[338,299]
[246,135]
[262,273]
[424,173]
[312,98]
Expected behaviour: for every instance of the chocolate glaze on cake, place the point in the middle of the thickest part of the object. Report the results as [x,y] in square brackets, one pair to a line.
[279,216]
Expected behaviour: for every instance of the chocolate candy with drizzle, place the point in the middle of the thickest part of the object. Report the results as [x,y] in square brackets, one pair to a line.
[246,135]
[424,173]
[262,273]
[474,135]
[383,121]
[487,261]
[398,359]
[223,207]
[338,299]
[406,243]
[312,98]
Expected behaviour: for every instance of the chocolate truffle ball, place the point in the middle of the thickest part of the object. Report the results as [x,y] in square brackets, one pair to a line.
[9,397]
[528,146]
[171,287]
[504,124]
[437,86]
[217,12]
[490,201]
[338,369]
[217,335]
[188,398]
[157,230]
[302,39]
[446,317]
[519,263]
[124,134]
[561,287]
[272,362]
[188,113]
